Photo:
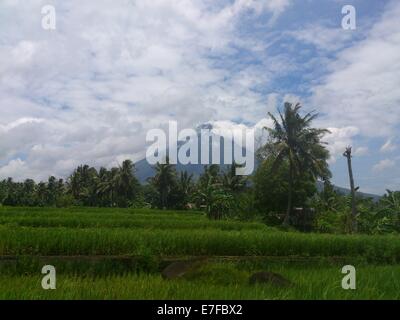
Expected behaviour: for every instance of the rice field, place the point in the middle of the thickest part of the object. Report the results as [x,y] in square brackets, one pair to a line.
[224,282]
[120,253]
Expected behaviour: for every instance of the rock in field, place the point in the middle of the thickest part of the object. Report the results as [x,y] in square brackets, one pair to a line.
[179,268]
[270,278]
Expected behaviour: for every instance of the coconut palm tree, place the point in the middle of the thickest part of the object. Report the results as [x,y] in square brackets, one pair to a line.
[103,187]
[41,194]
[164,180]
[127,184]
[292,139]
[51,191]
[112,184]
[74,184]
[3,191]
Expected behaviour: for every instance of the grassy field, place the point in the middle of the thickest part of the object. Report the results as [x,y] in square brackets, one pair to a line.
[223,283]
[119,253]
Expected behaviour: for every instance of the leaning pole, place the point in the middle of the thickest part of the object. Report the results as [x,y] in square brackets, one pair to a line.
[354,225]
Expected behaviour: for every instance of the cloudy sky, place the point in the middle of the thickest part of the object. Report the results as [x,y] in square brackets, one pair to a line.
[89,91]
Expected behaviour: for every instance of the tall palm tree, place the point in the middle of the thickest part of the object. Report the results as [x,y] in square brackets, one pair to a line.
[103,187]
[41,194]
[292,139]
[28,192]
[74,184]
[164,180]
[112,184]
[127,183]
[82,185]
[51,191]
[107,184]
[3,192]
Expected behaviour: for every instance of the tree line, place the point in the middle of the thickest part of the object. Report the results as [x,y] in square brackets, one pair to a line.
[280,191]
[118,187]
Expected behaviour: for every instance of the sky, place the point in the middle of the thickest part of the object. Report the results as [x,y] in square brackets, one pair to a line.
[89,91]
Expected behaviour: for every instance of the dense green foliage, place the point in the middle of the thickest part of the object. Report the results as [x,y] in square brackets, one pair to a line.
[271,189]
[86,186]
[293,141]
[282,189]
[334,212]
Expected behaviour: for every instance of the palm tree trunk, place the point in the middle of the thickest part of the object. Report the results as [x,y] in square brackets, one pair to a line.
[164,199]
[287,219]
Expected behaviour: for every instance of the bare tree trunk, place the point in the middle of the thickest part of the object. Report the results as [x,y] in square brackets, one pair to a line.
[164,199]
[287,219]
[354,225]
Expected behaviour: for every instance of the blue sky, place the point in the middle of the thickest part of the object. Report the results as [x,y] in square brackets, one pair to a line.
[91,89]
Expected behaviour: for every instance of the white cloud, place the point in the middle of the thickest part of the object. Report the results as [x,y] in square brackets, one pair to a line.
[90,90]
[361,151]
[338,139]
[292,98]
[361,88]
[260,134]
[388,146]
[322,37]
[15,168]
[384,165]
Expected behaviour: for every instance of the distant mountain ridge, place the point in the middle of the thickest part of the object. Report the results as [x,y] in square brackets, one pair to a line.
[345,191]
[144,170]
